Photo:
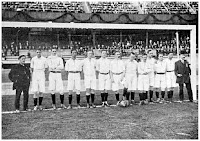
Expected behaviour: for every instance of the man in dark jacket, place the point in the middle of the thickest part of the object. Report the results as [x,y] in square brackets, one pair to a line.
[20,76]
[183,72]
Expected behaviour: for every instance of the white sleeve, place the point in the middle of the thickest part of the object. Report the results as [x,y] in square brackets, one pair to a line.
[32,63]
[111,65]
[123,66]
[45,63]
[81,65]
[61,65]
[97,65]
[67,65]
[139,68]
[49,62]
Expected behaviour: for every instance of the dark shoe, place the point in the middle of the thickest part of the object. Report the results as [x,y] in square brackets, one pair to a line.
[35,108]
[103,104]
[40,108]
[79,106]
[88,106]
[54,106]
[93,106]
[69,107]
[106,104]
[28,110]
[17,111]
[63,106]
[141,103]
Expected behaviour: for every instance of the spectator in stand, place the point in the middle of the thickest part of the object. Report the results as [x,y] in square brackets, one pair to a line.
[29,54]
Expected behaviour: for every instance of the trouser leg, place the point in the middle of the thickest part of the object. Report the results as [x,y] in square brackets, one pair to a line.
[17,98]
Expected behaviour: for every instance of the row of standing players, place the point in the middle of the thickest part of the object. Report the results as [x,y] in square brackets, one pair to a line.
[147,75]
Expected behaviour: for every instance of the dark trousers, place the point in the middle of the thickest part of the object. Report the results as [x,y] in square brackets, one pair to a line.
[25,90]
[189,91]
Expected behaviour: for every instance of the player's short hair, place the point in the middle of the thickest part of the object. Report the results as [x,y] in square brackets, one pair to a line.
[181,53]
[21,56]
[90,50]
[132,53]
[149,51]
[103,50]
[73,50]
[53,48]
[144,54]
[38,50]
[117,51]
[170,52]
[160,54]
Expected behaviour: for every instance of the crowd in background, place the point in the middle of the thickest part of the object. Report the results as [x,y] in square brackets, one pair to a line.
[64,6]
[155,7]
[171,7]
[113,7]
[163,45]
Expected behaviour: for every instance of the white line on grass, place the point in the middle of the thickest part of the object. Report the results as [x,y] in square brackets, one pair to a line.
[184,134]
[51,109]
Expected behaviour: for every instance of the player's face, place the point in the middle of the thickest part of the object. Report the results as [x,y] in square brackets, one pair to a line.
[104,54]
[132,57]
[182,56]
[160,57]
[53,52]
[150,54]
[38,53]
[170,56]
[144,57]
[22,60]
[117,55]
[74,53]
[89,54]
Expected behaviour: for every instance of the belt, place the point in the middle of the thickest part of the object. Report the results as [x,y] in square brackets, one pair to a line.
[160,73]
[55,71]
[117,73]
[104,73]
[74,71]
[170,71]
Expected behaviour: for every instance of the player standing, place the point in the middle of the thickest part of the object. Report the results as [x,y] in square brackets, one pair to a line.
[170,76]
[183,72]
[151,61]
[144,68]
[131,67]
[160,77]
[38,66]
[89,70]
[73,68]
[55,64]
[103,66]
[117,70]
[20,76]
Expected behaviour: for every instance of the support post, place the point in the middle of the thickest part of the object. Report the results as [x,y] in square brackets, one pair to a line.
[193,62]
[147,38]
[177,44]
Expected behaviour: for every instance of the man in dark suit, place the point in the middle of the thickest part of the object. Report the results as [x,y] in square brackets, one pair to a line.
[183,72]
[20,76]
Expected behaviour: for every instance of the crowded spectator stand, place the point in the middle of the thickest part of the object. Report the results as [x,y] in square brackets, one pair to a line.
[64,25]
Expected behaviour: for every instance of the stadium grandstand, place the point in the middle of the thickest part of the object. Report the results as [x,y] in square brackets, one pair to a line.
[153,7]
[20,40]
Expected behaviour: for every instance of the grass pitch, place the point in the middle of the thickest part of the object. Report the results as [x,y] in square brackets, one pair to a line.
[156,121]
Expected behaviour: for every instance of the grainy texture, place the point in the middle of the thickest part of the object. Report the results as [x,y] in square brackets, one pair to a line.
[158,121]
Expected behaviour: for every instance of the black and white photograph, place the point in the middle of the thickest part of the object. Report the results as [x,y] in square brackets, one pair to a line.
[99,69]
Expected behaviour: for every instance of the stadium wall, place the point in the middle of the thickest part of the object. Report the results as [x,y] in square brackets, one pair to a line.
[123,18]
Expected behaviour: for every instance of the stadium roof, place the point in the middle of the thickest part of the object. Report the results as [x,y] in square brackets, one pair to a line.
[124,18]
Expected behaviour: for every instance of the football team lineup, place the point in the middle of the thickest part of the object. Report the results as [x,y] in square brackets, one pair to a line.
[146,76]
